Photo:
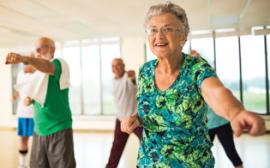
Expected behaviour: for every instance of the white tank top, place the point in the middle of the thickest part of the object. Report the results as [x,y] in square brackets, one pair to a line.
[124,92]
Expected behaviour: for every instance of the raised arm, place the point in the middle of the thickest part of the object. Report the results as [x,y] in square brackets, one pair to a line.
[40,64]
[222,101]
[132,76]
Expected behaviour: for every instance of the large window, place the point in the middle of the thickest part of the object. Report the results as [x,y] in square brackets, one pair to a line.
[253,68]
[227,63]
[108,52]
[91,79]
[71,53]
[91,76]
[205,47]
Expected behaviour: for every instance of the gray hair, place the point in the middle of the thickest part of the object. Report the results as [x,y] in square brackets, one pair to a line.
[49,40]
[168,7]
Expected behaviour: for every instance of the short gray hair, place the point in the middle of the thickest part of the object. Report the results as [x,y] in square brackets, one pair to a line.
[168,7]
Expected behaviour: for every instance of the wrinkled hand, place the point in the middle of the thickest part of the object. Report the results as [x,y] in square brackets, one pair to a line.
[248,121]
[129,124]
[27,101]
[14,58]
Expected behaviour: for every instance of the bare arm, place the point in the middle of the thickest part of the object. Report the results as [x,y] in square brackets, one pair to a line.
[220,99]
[40,64]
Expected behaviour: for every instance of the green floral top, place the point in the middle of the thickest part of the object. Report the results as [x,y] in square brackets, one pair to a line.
[174,121]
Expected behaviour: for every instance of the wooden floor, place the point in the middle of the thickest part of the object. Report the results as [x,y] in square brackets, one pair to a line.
[92,150]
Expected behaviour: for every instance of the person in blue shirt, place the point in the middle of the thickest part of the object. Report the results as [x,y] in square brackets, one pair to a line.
[222,128]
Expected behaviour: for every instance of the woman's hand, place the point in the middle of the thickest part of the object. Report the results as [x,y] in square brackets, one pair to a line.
[129,124]
[248,121]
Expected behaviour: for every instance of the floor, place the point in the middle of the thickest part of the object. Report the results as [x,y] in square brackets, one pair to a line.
[92,150]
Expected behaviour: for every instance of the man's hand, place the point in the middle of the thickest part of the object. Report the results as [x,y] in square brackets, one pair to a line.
[14,58]
[248,121]
[129,124]
[132,76]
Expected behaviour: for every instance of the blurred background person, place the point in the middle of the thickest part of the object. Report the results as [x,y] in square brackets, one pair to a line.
[124,93]
[53,134]
[25,113]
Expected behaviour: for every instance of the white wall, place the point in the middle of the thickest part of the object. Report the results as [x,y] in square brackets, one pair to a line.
[133,52]
[5,90]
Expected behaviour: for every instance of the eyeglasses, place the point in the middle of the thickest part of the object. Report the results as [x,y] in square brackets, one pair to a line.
[38,49]
[153,31]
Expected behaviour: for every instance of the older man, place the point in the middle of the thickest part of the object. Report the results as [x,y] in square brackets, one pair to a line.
[124,92]
[53,139]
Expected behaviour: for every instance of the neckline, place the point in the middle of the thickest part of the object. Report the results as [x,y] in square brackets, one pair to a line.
[176,79]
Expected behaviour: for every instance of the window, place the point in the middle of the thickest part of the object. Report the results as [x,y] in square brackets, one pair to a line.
[253,69]
[108,53]
[91,76]
[91,82]
[205,47]
[15,69]
[227,63]
[71,53]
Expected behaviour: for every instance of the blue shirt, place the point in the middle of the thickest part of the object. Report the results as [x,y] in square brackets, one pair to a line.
[214,120]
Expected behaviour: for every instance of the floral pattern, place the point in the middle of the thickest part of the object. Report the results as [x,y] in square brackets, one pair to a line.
[174,121]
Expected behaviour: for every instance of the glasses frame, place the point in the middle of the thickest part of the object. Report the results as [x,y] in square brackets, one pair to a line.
[165,30]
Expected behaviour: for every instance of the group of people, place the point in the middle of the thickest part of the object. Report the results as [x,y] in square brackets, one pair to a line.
[47,91]
[168,107]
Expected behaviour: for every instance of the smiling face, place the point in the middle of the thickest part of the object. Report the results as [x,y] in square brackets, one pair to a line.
[165,35]
[118,67]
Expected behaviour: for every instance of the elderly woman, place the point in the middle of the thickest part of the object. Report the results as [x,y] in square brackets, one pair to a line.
[173,93]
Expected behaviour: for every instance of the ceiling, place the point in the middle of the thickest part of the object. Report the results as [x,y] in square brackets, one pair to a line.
[21,21]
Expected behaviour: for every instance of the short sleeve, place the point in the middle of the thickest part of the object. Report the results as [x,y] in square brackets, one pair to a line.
[202,70]
[139,83]
[145,82]
[58,70]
